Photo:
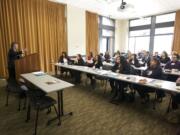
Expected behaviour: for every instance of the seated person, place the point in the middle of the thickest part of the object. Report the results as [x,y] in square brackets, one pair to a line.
[175,53]
[146,59]
[97,63]
[102,57]
[128,55]
[153,71]
[115,69]
[116,54]
[124,68]
[90,56]
[174,63]
[89,61]
[107,56]
[176,97]
[77,74]
[64,59]
[79,60]
[164,59]
[156,55]
[133,60]
[140,54]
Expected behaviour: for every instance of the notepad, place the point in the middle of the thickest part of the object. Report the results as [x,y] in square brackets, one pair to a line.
[102,72]
[86,67]
[152,81]
[157,83]
[113,74]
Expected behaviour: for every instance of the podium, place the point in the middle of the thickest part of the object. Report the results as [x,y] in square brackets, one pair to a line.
[27,64]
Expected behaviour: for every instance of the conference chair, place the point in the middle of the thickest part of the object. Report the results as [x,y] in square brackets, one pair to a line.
[39,101]
[103,82]
[14,88]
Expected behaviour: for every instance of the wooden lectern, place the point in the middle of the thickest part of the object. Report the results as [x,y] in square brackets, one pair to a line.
[27,64]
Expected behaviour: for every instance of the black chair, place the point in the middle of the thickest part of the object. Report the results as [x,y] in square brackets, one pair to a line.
[103,81]
[14,88]
[39,101]
[159,94]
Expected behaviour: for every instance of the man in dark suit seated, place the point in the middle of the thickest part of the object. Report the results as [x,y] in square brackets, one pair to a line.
[174,64]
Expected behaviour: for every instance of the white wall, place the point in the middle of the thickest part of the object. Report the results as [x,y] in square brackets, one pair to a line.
[76,30]
[121,35]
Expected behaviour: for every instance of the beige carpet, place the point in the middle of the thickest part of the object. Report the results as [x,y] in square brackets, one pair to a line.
[92,115]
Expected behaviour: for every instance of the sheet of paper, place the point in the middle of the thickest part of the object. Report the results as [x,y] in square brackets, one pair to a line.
[39,73]
[157,83]
[52,82]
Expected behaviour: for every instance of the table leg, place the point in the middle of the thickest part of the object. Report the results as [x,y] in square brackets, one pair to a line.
[155,98]
[60,108]
[62,105]
[56,69]
[169,106]
[106,80]
[59,104]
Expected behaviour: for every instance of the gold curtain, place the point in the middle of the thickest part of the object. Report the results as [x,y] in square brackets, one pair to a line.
[92,33]
[176,42]
[38,25]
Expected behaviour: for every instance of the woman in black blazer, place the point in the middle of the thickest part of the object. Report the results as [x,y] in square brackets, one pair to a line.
[154,71]
[97,64]
[107,57]
[79,60]
[124,68]
[64,59]
[13,55]
[115,69]
[134,61]
[77,74]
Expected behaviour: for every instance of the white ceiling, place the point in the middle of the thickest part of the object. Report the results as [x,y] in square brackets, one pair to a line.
[138,8]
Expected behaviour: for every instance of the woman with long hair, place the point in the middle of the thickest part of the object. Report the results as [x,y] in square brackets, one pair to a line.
[153,71]
[97,63]
[123,68]
[164,59]
[65,60]
[77,74]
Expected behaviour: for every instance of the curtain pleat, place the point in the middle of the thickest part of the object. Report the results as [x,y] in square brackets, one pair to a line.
[176,42]
[92,33]
[38,25]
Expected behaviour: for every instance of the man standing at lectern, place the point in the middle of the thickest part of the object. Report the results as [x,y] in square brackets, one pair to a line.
[13,55]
